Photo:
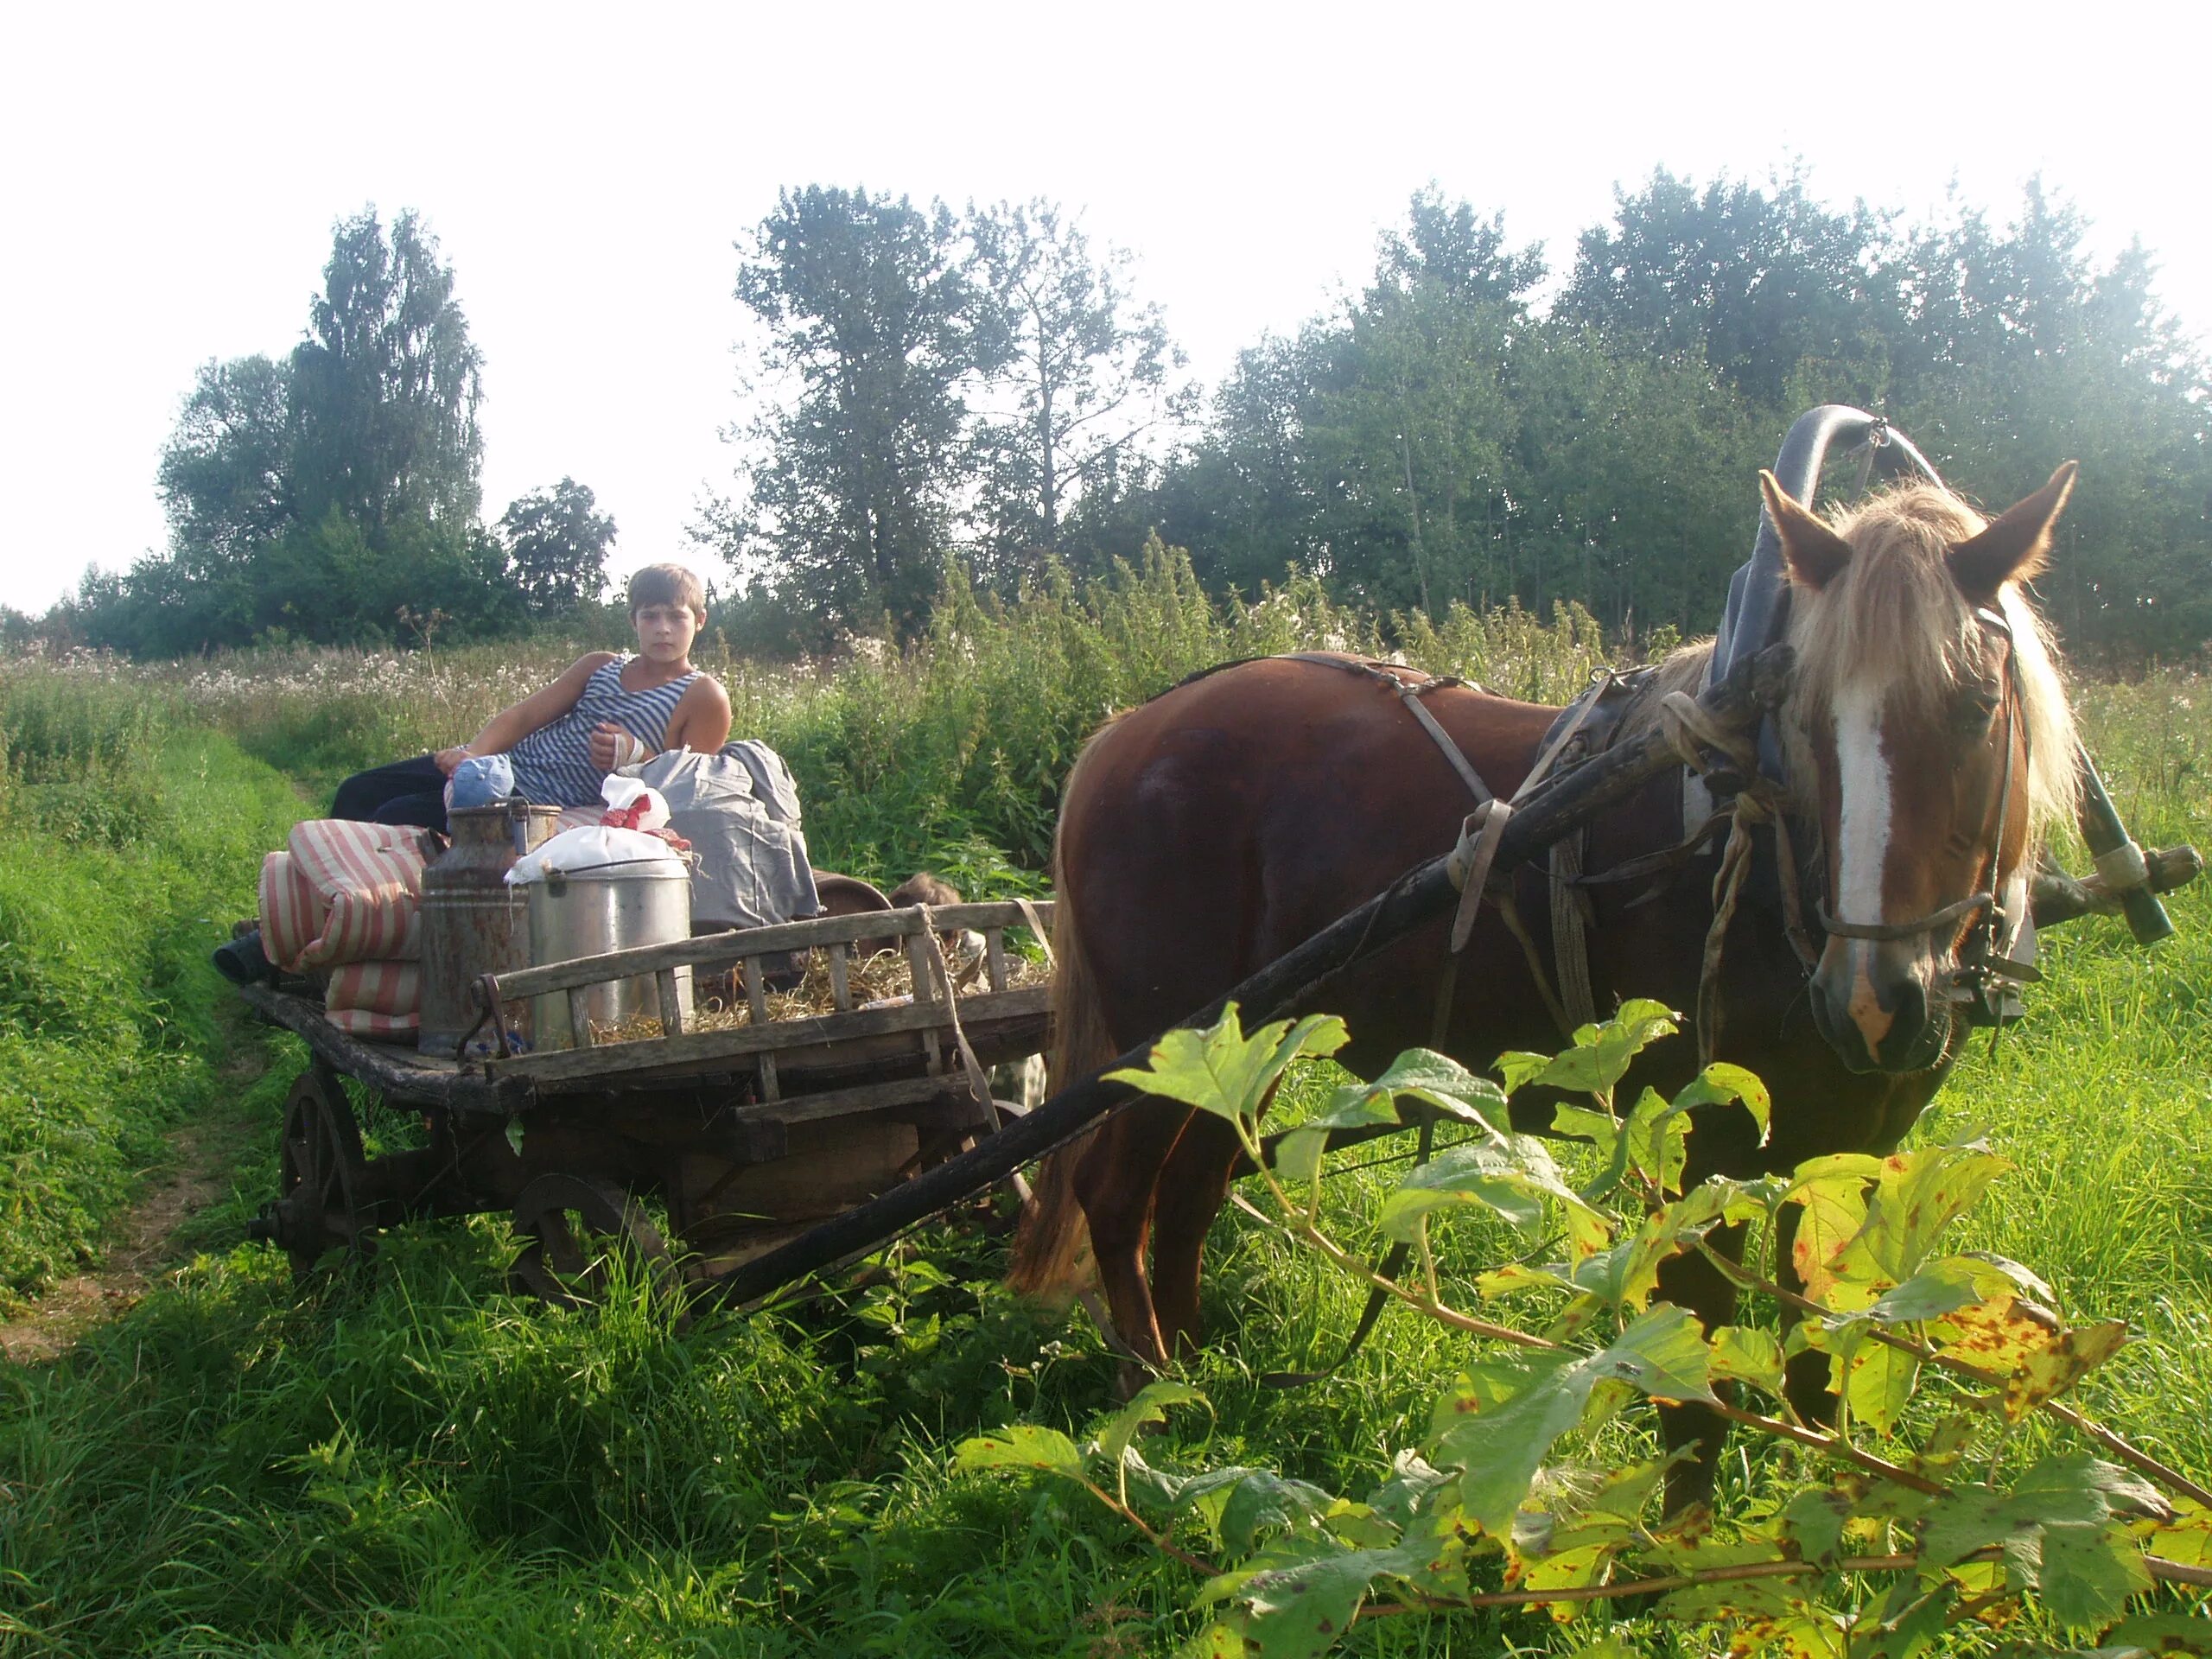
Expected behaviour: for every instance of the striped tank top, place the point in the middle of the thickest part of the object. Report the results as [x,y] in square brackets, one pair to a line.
[553,763]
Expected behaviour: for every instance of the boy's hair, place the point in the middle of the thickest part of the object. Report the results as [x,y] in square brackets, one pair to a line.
[668,584]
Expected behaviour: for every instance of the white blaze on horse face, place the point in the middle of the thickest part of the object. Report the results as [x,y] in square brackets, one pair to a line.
[1863,775]
[1863,843]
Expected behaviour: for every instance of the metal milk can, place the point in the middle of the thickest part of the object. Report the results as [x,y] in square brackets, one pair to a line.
[588,912]
[473,922]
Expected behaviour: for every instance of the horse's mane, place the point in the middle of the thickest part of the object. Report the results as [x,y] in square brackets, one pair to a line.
[1895,616]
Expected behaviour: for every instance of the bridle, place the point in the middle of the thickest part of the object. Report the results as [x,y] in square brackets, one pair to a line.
[1984,975]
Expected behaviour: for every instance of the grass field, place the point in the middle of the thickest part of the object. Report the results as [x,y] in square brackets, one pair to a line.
[412,1462]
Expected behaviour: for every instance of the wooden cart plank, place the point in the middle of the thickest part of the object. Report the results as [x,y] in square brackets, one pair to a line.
[403,1073]
[720,949]
[815,1030]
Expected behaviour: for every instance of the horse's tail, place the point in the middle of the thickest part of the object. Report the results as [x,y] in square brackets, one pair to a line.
[1051,1248]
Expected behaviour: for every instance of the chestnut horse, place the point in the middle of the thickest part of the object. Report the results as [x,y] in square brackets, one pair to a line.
[1928,742]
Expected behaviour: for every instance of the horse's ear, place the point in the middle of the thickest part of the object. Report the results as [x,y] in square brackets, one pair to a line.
[1816,554]
[2014,547]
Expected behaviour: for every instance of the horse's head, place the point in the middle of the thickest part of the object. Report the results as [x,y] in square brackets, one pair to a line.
[1929,735]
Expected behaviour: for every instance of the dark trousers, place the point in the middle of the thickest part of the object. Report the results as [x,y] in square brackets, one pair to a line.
[406,791]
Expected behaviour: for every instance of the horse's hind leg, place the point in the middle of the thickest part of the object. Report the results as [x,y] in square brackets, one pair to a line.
[1192,1186]
[1115,1183]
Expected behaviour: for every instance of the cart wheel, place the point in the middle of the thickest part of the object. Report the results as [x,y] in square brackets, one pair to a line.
[318,1207]
[573,1226]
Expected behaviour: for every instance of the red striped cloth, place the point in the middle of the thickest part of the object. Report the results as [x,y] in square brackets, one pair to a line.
[375,998]
[345,893]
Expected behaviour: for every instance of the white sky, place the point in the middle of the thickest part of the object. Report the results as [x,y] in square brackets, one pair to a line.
[171,176]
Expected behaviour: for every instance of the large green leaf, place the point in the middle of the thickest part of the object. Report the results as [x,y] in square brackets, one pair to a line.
[1601,1055]
[1879,1381]
[1748,1355]
[1721,1082]
[1500,1435]
[1303,1594]
[1658,1134]
[1149,1406]
[1221,1071]
[1264,1501]
[1917,1194]
[1021,1446]
[1512,1175]
[2059,1532]
[1438,1081]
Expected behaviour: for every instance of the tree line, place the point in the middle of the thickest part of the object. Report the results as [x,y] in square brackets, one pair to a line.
[1471,427]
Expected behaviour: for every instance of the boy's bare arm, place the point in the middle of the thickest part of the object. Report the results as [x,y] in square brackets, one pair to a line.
[702,718]
[510,725]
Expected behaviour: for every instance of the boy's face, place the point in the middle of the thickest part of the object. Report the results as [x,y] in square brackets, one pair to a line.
[666,632]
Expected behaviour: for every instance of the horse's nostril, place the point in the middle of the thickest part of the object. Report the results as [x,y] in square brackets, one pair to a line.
[1908,1025]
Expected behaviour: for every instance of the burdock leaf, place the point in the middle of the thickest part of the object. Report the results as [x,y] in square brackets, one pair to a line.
[1264,1499]
[1748,1355]
[1021,1446]
[2069,1357]
[1221,1071]
[1149,1406]
[1512,1176]
[1721,1082]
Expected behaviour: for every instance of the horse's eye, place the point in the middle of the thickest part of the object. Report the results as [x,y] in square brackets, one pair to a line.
[1976,708]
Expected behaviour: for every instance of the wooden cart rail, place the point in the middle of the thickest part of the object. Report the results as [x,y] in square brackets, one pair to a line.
[947,1028]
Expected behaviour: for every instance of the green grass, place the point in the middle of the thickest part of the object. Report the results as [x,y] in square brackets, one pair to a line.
[412,1462]
[126,847]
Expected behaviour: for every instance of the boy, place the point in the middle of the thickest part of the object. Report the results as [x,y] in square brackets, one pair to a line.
[604,711]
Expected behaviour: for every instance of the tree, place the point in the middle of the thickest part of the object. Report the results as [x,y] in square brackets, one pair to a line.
[876,324]
[225,471]
[315,495]
[556,543]
[386,386]
[1757,283]
[1084,377]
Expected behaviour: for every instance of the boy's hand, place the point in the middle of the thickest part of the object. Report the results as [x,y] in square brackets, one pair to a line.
[613,745]
[448,760]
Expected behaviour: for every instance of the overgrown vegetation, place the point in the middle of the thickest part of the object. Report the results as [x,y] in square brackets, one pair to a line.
[1930,1501]
[127,842]
[413,1462]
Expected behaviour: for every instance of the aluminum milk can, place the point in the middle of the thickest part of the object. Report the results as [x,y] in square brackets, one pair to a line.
[473,922]
[588,912]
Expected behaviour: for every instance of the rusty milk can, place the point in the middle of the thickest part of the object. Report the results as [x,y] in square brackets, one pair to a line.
[473,922]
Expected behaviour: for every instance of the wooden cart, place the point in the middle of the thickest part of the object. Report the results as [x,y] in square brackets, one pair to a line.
[743,1129]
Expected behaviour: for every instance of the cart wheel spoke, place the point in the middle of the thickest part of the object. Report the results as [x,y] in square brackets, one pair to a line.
[322,1181]
[572,1227]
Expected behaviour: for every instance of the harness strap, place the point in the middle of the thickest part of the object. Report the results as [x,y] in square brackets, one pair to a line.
[1453,752]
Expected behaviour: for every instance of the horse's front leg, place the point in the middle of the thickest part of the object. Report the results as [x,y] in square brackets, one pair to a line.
[1806,1375]
[1115,1183]
[1692,1282]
